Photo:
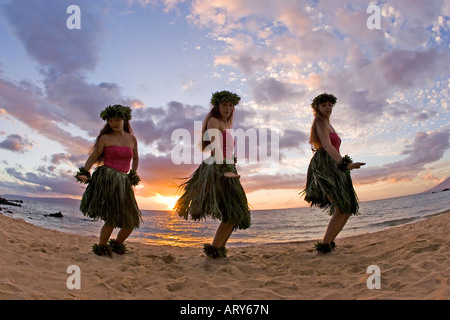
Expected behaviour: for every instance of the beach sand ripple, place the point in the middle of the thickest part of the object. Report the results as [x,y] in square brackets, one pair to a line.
[413,259]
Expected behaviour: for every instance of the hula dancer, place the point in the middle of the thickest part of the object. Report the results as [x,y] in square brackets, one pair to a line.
[109,195]
[214,189]
[329,185]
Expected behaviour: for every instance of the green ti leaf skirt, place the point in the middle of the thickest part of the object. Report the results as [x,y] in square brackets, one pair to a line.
[208,193]
[325,182]
[110,197]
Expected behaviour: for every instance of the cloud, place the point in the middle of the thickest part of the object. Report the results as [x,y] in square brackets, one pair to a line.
[287,54]
[406,69]
[168,5]
[48,183]
[273,182]
[161,176]
[80,102]
[63,55]
[426,148]
[271,91]
[374,83]
[301,46]
[291,139]
[41,26]
[16,143]
[27,103]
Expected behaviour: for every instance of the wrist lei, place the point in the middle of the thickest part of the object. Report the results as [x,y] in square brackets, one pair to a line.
[134,178]
[82,172]
[346,160]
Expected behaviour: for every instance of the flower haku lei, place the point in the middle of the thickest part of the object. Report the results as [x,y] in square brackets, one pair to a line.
[116,111]
[324,97]
[225,96]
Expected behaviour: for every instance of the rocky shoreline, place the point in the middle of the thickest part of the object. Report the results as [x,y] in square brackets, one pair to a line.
[15,203]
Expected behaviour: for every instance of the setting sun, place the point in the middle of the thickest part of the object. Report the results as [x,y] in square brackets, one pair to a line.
[168,201]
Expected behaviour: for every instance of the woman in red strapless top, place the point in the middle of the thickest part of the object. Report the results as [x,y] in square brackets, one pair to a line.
[109,195]
[214,189]
[328,183]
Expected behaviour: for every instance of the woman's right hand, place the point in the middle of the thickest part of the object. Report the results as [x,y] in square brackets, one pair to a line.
[355,165]
[83,178]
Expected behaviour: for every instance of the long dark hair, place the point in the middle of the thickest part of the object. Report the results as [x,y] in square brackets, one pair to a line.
[318,118]
[107,129]
[214,113]
[314,138]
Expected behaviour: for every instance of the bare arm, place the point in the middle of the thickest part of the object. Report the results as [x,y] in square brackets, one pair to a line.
[213,123]
[324,136]
[98,150]
[135,164]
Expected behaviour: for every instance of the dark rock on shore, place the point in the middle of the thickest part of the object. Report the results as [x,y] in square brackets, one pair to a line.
[56,215]
[11,202]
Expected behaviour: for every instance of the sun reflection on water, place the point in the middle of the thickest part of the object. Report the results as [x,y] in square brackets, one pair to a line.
[172,230]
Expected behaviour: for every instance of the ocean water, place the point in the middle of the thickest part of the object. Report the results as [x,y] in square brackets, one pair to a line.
[268,226]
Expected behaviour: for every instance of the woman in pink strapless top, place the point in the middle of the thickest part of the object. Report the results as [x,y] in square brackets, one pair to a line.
[328,182]
[109,195]
[214,189]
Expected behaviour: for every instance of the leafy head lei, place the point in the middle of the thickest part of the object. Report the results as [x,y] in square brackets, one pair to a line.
[116,111]
[322,98]
[225,96]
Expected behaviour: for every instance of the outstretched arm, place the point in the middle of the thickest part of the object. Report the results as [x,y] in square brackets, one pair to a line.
[324,136]
[135,163]
[98,150]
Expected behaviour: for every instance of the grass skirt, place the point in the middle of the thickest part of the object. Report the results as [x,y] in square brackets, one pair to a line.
[110,197]
[324,180]
[209,193]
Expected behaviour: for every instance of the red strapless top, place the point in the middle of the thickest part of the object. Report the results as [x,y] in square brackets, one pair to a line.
[118,157]
[227,144]
[335,140]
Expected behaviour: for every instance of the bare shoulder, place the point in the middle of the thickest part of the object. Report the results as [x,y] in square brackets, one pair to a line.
[213,123]
[103,139]
[133,138]
[320,124]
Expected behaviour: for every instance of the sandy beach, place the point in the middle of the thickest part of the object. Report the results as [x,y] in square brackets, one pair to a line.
[413,260]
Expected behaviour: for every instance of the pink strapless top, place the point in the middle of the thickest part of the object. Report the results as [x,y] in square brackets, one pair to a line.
[335,140]
[227,144]
[118,157]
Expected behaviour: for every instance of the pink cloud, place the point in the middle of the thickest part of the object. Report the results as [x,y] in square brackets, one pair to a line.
[425,149]
[16,143]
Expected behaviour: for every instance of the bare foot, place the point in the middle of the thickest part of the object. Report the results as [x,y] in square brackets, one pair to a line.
[231,175]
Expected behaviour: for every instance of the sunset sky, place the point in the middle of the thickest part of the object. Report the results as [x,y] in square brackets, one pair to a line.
[164,58]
